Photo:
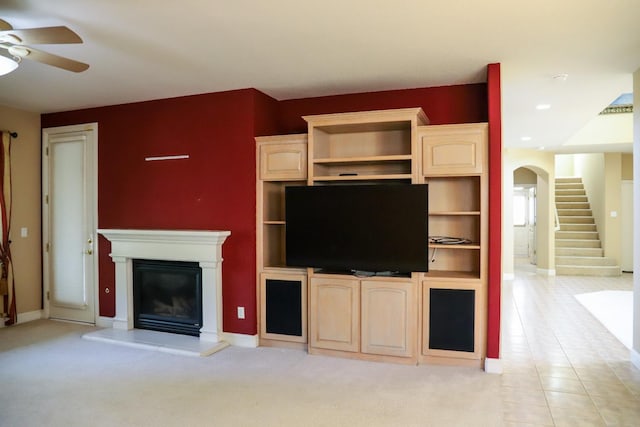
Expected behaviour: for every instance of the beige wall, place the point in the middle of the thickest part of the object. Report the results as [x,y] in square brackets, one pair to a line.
[523,176]
[25,166]
[590,167]
[611,237]
[627,167]
[635,354]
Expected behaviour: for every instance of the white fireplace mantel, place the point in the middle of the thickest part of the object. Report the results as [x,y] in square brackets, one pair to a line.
[204,247]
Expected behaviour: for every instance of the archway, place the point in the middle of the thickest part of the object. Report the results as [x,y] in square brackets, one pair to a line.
[543,165]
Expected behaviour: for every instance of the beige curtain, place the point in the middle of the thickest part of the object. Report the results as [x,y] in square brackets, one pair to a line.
[7,285]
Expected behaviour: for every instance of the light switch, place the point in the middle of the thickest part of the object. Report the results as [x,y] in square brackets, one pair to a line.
[614,214]
[24,232]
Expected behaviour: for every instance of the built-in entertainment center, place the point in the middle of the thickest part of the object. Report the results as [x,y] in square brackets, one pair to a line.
[372,238]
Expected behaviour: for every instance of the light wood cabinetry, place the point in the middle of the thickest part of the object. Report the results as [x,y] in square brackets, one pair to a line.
[453,149]
[283,157]
[453,322]
[334,314]
[389,317]
[454,289]
[439,316]
[281,162]
[283,299]
[365,317]
[365,146]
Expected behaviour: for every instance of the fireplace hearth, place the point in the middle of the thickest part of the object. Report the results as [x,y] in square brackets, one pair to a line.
[167,296]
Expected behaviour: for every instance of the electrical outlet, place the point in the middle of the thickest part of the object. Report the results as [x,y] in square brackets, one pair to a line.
[240,312]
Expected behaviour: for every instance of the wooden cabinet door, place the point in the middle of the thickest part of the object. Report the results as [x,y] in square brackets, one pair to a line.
[334,314]
[283,161]
[388,322]
[453,149]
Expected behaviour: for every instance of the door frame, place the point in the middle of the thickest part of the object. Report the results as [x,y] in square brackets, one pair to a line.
[91,129]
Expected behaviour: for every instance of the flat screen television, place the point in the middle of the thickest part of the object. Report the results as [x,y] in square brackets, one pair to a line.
[366,228]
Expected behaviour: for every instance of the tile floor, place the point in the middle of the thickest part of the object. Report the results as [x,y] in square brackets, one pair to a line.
[561,366]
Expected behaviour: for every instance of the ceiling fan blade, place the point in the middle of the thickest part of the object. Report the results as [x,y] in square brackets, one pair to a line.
[4,25]
[51,59]
[44,35]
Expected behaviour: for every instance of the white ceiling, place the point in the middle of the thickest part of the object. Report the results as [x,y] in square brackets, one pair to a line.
[147,49]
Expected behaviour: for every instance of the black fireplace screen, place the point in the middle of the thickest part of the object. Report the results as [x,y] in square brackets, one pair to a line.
[167,296]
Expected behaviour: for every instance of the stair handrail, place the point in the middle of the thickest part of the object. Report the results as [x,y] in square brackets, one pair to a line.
[557,220]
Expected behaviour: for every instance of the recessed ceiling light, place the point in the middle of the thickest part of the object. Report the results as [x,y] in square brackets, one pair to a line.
[562,77]
[526,138]
[543,106]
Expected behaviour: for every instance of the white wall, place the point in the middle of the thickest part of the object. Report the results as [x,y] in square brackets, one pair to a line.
[564,166]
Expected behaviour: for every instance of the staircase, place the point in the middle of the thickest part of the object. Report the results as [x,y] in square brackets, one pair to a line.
[578,248]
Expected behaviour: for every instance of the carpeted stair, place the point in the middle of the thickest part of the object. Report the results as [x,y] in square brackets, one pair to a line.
[578,248]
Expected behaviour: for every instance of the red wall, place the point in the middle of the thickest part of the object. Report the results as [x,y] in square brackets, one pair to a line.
[215,187]
[443,105]
[495,210]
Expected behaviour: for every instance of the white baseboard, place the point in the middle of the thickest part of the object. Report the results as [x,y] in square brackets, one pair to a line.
[241,340]
[29,316]
[508,276]
[635,358]
[104,322]
[546,272]
[492,366]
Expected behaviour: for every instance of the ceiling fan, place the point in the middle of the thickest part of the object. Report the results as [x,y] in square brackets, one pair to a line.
[13,47]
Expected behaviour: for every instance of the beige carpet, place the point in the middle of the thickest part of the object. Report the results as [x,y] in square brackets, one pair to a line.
[614,309]
[49,376]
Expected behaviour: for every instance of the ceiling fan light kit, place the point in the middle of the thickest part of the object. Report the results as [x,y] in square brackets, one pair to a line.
[14,42]
[7,65]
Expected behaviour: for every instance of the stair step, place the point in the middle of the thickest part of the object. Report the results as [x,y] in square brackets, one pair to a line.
[585,260]
[577,227]
[583,270]
[571,199]
[567,219]
[565,179]
[569,185]
[572,205]
[570,192]
[574,212]
[579,252]
[588,235]
[577,243]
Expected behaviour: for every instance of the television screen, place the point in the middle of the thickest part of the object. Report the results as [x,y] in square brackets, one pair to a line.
[364,228]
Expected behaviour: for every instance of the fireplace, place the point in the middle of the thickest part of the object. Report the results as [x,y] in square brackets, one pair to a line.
[200,248]
[167,296]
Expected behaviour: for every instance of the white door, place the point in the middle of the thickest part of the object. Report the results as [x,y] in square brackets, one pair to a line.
[531,224]
[69,215]
[626,224]
[524,222]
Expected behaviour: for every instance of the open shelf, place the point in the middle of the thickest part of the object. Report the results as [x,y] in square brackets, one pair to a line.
[461,246]
[450,213]
[454,275]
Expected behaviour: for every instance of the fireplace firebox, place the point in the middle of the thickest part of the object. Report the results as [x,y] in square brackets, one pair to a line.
[167,296]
